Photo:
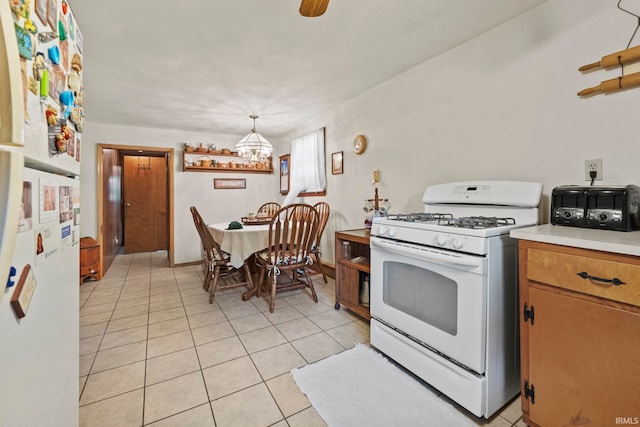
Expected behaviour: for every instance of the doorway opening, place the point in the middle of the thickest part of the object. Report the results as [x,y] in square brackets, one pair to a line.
[135,201]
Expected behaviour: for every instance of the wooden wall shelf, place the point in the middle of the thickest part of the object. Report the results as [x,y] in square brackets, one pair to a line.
[225,170]
[192,156]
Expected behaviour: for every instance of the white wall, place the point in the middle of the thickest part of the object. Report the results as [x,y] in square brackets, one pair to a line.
[191,188]
[502,106]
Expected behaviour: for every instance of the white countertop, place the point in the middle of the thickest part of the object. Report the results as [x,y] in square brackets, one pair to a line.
[621,242]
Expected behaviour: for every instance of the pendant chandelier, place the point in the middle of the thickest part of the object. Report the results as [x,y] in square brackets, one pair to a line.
[254,147]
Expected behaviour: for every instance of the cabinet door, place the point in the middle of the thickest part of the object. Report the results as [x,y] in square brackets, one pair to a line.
[584,361]
[347,284]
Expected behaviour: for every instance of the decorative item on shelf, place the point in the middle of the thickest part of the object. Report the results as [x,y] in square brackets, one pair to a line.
[202,148]
[206,162]
[188,147]
[212,149]
[375,207]
[254,147]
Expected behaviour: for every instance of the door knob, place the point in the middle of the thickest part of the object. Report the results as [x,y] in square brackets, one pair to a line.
[128,204]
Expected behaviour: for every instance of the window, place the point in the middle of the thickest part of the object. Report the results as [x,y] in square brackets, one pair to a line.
[307,168]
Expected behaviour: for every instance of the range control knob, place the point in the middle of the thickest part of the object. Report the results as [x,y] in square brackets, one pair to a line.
[392,231]
[458,242]
[441,240]
[383,230]
[374,230]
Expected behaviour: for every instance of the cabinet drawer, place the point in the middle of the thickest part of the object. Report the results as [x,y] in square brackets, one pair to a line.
[585,274]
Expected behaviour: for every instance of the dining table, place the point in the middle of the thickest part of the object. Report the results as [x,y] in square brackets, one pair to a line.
[241,244]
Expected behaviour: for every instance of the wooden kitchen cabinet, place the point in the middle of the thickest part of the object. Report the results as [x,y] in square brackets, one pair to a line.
[350,274]
[89,259]
[579,335]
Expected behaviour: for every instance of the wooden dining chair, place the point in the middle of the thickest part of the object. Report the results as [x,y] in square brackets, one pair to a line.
[217,266]
[323,210]
[288,255]
[269,208]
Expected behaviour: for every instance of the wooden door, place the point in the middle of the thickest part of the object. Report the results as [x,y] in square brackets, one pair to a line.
[583,361]
[145,204]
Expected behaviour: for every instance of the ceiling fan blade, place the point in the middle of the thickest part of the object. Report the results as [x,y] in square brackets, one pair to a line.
[313,8]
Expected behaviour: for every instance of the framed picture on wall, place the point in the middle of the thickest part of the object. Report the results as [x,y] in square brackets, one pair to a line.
[336,163]
[229,183]
[284,174]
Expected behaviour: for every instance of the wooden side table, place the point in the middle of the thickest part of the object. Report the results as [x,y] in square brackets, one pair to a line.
[351,270]
[89,259]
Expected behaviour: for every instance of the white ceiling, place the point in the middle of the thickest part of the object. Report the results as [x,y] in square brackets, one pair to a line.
[206,65]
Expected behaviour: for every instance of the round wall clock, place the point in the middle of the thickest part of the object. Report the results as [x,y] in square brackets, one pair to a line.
[359,144]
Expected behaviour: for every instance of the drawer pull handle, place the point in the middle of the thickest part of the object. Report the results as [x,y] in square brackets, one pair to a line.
[615,281]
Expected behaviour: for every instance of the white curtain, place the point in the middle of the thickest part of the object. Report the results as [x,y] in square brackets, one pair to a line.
[307,168]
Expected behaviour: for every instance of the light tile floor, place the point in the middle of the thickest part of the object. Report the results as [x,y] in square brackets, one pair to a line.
[153,351]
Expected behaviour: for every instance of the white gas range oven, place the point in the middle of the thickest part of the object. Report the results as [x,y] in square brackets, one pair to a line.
[444,300]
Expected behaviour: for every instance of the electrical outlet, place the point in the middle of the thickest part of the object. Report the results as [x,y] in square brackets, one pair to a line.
[593,165]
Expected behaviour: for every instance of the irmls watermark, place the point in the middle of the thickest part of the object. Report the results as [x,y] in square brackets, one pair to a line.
[627,420]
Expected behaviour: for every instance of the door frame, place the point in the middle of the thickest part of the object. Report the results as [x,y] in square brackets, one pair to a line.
[170,187]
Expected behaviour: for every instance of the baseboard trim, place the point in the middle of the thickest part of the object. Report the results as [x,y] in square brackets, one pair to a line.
[187,264]
[329,270]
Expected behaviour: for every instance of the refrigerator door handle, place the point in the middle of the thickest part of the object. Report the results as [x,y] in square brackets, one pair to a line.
[11,170]
[12,102]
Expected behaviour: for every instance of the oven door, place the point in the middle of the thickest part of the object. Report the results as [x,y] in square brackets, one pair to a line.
[435,296]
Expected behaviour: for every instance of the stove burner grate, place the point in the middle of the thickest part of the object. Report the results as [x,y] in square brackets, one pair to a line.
[421,217]
[477,222]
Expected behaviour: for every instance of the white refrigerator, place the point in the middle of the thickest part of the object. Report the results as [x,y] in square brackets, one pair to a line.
[41,121]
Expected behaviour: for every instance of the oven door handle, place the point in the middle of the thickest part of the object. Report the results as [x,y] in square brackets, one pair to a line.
[426,254]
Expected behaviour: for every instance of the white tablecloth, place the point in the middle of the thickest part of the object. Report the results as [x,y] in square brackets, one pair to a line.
[241,244]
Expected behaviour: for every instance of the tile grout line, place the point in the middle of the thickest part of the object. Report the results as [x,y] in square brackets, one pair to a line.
[206,390]
[146,350]
[98,349]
